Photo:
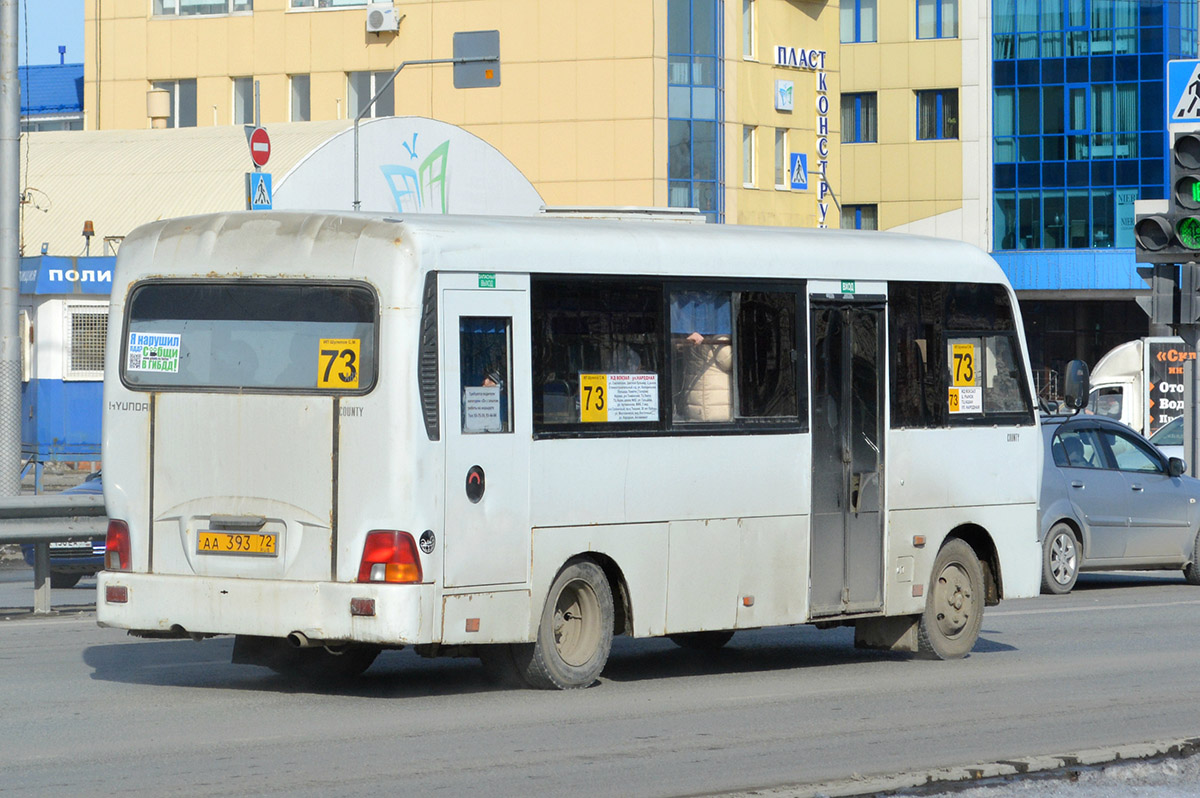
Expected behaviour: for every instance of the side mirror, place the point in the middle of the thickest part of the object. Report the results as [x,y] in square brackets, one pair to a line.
[1176,467]
[1076,381]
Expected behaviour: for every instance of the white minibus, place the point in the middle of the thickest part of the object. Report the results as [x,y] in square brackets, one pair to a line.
[513,438]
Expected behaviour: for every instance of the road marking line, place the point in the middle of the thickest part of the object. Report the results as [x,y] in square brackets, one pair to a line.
[1092,609]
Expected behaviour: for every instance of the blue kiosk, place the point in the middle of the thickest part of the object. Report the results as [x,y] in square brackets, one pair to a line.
[64,321]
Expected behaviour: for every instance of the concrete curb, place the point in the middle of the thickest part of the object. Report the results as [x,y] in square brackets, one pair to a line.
[923,782]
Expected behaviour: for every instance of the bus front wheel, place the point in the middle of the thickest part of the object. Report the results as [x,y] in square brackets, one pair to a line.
[953,614]
[575,632]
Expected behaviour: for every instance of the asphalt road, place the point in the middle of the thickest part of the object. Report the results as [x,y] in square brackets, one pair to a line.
[89,711]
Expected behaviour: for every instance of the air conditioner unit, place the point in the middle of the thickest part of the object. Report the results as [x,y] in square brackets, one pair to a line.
[381,17]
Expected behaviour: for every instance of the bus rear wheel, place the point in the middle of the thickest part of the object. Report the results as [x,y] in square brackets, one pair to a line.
[574,635]
[953,614]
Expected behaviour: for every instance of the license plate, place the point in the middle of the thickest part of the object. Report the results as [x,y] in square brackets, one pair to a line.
[236,543]
[71,545]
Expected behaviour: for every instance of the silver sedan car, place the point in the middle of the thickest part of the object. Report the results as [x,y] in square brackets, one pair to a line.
[1111,501]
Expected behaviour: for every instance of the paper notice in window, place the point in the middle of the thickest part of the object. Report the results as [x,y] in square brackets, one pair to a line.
[481,409]
[609,398]
[966,400]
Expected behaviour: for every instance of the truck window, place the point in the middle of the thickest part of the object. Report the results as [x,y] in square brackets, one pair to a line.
[1106,401]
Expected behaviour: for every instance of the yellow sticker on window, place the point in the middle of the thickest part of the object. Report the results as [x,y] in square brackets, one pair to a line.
[593,397]
[338,363]
[955,406]
[963,364]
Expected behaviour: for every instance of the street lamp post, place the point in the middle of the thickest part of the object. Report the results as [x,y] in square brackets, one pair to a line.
[476,62]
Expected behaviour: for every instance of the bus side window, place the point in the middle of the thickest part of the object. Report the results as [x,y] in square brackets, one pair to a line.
[702,345]
[734,355]
[767,355]
[485,373]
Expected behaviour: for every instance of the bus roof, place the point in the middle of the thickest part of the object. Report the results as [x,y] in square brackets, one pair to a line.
[273,242]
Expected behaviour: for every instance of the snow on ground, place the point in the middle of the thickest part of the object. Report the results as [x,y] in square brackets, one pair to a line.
[1168,778]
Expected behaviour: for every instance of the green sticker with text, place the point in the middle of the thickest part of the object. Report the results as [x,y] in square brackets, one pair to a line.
[487,280]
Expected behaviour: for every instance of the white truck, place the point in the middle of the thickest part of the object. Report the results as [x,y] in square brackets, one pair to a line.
[1141,383]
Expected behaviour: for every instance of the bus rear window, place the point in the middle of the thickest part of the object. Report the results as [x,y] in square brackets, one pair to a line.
[243,335]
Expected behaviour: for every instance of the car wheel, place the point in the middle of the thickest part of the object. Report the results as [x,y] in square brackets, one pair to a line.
[1060,560]
[702,641]
[1192,572]
[953,614]
[64,580]
[574,636]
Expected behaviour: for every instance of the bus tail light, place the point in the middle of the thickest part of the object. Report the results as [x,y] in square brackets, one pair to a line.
[389,556]
[116,547]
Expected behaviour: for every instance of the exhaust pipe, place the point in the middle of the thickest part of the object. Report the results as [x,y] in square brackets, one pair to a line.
[301,640]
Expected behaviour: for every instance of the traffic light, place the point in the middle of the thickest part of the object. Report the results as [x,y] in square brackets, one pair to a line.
[1189,293]
[1162,304]
[1173,235]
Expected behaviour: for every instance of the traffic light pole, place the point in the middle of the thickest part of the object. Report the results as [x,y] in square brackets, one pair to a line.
[1167,234]
[1191,375]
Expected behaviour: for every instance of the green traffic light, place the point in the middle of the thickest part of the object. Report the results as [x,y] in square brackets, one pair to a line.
[1188,230]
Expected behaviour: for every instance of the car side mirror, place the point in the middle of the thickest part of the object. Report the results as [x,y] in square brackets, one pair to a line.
[1076,381]
[1176,467]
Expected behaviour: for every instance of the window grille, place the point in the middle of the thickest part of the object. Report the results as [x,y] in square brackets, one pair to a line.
[86,329]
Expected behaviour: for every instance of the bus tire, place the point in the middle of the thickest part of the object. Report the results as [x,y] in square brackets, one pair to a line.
[1191,571]
[1060,560]
[575,633]
[702,641]
[953,614]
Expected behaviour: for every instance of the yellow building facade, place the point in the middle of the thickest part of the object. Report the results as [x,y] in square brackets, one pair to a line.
[732,106]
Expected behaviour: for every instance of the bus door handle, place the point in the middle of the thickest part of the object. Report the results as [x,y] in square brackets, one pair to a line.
[1076,484]
[859,480]
[1138,488]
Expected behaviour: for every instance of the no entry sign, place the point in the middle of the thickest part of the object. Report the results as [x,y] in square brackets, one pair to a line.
[260,146]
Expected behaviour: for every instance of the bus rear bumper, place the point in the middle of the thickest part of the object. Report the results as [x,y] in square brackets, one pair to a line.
[320,611]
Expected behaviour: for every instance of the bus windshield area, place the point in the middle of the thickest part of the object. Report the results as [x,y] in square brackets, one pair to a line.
[255,335]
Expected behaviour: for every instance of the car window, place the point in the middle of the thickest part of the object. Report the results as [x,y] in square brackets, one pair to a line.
[1129,454]
[1170,435]
[1079,448]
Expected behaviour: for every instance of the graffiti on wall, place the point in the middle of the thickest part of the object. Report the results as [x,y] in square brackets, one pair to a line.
[420,187]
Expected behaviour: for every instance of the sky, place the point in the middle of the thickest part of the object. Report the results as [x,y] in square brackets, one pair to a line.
[50,23]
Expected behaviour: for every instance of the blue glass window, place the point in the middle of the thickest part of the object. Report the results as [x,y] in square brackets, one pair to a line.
[937,114]
[859,118]
[937,19]
[860,217]
[1078,115]
[695,107]
[858,21]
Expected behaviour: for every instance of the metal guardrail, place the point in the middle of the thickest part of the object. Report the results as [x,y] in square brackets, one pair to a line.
[44,519]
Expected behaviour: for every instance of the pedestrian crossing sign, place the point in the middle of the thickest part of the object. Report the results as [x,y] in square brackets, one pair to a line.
[1183,92]
[258,191]
[799,171]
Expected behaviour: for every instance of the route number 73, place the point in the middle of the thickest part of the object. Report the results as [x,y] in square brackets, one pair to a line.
[963,356]
[338,363]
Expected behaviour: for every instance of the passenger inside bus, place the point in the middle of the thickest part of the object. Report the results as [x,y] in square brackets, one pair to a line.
[701,331]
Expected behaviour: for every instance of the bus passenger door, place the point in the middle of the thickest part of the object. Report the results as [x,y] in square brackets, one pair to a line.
[485,373]
[846,553]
